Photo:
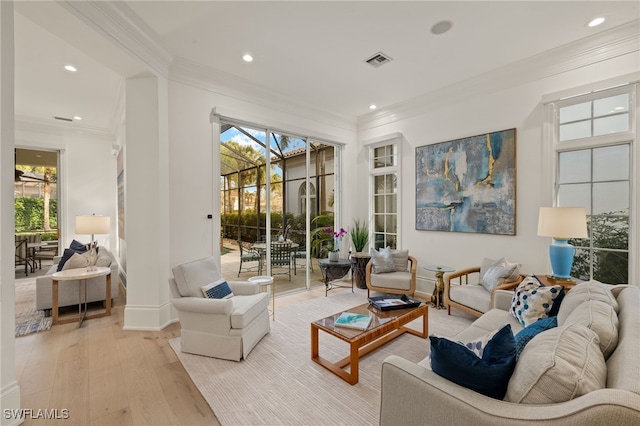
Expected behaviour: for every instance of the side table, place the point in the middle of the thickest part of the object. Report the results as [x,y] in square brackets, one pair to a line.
[82,275]
[436,298]
[266,281]
[548,280]
[359,261]
[334,271]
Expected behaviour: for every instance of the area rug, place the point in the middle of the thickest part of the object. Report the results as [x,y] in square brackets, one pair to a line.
[28,319]
[278,384]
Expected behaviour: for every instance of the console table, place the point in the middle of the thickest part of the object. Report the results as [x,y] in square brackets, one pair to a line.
[334,271]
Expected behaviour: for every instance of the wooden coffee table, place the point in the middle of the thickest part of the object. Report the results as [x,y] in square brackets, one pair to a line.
[385,326]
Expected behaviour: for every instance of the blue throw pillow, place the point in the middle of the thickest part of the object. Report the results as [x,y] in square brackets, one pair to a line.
[529,332]
[78,247]
[65,256]
[488,375]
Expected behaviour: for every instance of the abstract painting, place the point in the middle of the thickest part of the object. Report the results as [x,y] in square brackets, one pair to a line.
[468,185]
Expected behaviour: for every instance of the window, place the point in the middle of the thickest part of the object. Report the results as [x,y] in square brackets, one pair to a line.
[593,149]
[384,174]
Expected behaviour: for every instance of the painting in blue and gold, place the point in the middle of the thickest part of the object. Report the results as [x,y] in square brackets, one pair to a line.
[468,184]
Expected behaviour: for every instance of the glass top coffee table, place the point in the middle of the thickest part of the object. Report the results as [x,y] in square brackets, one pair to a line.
[384,327]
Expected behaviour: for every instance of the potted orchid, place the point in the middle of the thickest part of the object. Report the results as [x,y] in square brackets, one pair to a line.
[334,254]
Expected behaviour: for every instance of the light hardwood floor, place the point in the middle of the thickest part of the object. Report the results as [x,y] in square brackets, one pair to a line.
[104,375]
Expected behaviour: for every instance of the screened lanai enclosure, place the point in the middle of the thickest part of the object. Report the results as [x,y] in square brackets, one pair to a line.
[277,189]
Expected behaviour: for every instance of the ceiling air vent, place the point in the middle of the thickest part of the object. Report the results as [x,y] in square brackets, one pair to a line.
[378,59]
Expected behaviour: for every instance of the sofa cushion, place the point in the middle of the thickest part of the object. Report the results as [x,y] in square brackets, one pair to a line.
[491,320]
[532,301]
[488,375]
[103,258]
[558,365]
[382,261]
[66,255]
[588,290]
[218,289]
[396,280]
[247,308]
[191,276]
[400,260]
[602,319]
[525,335]
[471,295]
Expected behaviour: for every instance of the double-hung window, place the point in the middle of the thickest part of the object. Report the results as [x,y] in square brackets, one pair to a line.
[594,141]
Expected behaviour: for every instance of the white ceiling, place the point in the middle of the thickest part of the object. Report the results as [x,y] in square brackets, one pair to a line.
[311,52]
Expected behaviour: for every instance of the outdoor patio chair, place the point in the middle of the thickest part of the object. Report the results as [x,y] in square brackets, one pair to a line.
[21,255]
[281,258]
[300,254]
[249,254]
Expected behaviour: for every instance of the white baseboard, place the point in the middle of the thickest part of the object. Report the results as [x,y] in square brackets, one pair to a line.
[147,318]
[10,401]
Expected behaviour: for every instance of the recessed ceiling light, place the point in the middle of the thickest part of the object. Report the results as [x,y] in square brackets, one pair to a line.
[595,22]
[70,68]
[247,58]
[77,117]
[441,27]
[372,106]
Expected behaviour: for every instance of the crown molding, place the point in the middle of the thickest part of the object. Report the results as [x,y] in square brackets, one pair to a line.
[121,25]
[75,130]
[609,44]
[203,77]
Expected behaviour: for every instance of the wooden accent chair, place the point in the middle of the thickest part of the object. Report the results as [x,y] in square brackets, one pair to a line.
[398,282]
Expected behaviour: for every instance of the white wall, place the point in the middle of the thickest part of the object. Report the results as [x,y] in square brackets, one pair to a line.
[191,153]
[520,107]
[87,178]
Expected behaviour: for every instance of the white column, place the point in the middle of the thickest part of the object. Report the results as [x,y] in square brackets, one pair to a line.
[147,203]
[9,389]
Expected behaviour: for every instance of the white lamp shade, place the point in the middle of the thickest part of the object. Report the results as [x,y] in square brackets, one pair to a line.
[562,222]
[93,224]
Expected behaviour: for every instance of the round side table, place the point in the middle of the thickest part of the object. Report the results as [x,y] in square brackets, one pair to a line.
[81,275]
[265,281]
[440,270]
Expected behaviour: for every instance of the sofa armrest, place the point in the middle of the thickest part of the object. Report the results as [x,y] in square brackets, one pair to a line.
[412,394]
[502,299]
[244,288]
[203,305]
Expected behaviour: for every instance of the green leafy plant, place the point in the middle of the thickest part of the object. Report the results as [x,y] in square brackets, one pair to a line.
[359,235]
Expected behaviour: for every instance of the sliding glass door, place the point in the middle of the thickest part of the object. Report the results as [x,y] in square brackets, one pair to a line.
[275,189]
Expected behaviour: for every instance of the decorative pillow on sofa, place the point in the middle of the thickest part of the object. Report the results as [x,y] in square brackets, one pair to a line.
[477,346]
[217,290]
[66,255]
[558,365]
[489,263]
[532,301]
[494,274]
[488,375]
[529,332]
[103,258]
[382,261]
[78,247]
[588,290]
[602,319]
[77,260]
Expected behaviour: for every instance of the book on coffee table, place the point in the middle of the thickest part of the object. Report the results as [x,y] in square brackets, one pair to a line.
[357,321]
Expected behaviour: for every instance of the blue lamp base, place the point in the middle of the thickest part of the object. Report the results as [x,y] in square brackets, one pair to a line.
[561,254]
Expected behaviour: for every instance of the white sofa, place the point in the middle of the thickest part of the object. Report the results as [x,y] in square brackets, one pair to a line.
[68,290]
[413,394]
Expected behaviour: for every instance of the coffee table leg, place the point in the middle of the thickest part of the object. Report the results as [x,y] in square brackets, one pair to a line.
[314,342]
[354,364]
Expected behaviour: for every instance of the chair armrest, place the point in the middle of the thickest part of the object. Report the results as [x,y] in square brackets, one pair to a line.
[505,285]
[460,274]
[244,288]
[501,299]
[203,305]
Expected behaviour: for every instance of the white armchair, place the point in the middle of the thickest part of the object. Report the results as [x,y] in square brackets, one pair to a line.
[220,328]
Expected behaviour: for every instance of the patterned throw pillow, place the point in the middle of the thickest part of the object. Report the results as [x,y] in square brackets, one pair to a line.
[382,261]
[217,290]
[477,346]
[492,277]
[529,332]
[532,301]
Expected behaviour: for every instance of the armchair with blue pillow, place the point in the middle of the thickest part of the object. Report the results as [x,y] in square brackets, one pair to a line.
[218,318]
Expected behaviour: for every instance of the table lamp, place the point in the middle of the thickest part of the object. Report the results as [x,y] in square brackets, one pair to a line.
[92,225]
[562,223]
